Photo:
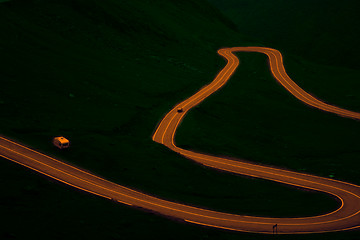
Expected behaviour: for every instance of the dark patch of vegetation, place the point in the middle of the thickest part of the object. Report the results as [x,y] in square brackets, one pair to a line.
[321,31]
[255,118]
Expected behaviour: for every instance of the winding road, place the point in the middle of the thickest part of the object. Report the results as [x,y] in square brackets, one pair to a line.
[347,216]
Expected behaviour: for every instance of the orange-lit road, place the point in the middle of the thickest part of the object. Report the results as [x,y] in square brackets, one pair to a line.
[347,216]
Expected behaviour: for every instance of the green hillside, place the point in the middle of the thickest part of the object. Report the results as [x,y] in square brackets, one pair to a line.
[102,73]
[321,31]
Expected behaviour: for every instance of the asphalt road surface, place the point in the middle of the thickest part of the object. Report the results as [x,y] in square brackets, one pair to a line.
[347,216]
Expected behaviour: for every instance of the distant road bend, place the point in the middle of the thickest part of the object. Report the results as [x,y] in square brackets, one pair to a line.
[347,216]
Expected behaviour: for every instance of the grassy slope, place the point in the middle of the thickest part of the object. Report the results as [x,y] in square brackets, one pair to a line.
[322,31]
[102,73]
[335,82]
[283,132]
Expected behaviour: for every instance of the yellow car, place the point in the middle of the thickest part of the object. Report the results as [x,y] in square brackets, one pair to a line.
[61,142]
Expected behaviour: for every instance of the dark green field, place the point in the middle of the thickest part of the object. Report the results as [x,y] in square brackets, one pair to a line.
[103,73]
[322,31]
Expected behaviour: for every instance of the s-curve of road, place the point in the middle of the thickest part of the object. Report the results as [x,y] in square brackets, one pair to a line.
[347,216]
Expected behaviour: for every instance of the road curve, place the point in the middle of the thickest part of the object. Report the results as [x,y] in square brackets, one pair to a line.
[347,216]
